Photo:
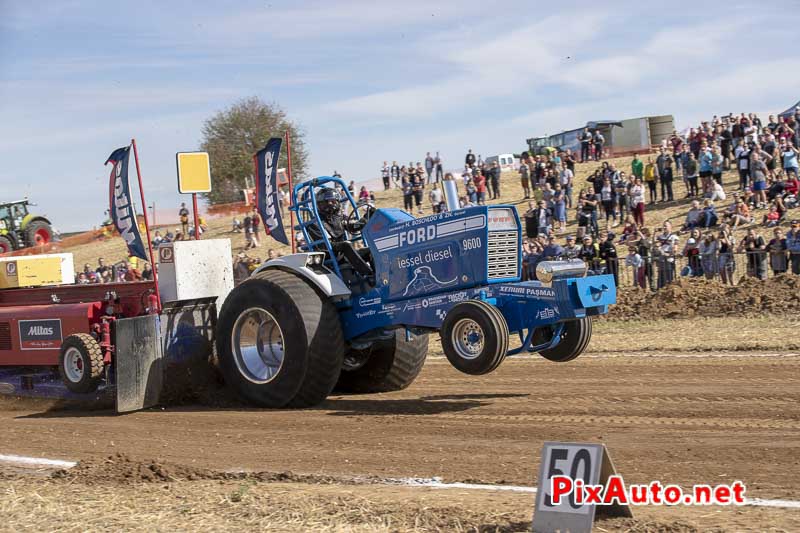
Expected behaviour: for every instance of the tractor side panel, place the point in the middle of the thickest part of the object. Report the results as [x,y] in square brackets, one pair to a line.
[32,335]
[429,255]
[531,304]
[523,304]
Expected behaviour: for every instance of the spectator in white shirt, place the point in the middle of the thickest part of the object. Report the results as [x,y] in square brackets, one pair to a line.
[635,262]
[637,201]
[436,198]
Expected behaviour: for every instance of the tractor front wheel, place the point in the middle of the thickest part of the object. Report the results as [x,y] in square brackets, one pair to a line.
[80,363]
[6,245]
[475,337]
[279,341]
[38,233]
[389,365]
[575,338]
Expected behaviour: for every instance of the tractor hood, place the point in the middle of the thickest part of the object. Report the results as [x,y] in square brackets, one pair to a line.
[444,252]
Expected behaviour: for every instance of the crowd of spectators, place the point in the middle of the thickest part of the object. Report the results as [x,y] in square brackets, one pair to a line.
[430,172]
[765,157]
[244,265]
[250,225]
[703,242]
[609,205]
[131,269]
[481,181]
[412,180]
[592,144]
[185,231]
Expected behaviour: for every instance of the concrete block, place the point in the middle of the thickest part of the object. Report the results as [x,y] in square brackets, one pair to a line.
[195,269]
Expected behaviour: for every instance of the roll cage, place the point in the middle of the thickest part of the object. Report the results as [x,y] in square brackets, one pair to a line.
[307,212]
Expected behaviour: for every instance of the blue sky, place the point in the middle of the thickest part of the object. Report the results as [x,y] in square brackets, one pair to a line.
[368,81]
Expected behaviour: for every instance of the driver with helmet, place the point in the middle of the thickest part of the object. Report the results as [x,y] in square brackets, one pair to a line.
[336,225]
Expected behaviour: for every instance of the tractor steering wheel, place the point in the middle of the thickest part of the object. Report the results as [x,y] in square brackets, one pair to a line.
[368,209]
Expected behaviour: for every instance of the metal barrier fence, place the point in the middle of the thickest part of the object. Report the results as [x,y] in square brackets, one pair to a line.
[658,271]
[731,268]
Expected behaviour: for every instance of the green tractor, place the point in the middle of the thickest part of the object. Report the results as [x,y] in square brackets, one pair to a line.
[22,229]
[540,146]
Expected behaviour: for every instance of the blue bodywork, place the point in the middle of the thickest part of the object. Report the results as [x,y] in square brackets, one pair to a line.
[425,266]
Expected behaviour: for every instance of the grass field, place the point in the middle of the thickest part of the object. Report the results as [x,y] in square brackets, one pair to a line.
[231,505]
[696,335]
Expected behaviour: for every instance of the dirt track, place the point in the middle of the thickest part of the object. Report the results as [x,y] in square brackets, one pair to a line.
[681,420]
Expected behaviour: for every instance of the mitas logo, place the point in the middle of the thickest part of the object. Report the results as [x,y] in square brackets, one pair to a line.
[40,334]
[40,330]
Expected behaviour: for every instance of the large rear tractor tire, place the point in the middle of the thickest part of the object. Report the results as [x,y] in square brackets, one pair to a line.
[574,340]
[391,365]
[80,363]
[6,245]
[38,233]
[474,337]
[280,342]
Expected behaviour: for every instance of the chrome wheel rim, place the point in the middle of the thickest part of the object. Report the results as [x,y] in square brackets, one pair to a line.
[257,345]
[468,338]
[73,365]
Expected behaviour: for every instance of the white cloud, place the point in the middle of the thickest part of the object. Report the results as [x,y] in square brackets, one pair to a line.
[518,60]
[309,20]
[29,135]
[552,53]
[557,119]
[101,97]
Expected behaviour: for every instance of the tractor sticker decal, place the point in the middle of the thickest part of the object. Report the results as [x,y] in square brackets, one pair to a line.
[547,313]
[166,254]
[411,306]
[537,292]
[442,299]
[42,334]
[430,256]
[502,220]
[409,237]
[389,309]
[461,226]
[387,243]
[366,302]
[424,281]
[11,269]
[434,301]
[428,219]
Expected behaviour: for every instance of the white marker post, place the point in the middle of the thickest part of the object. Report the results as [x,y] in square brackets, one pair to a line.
[588,462]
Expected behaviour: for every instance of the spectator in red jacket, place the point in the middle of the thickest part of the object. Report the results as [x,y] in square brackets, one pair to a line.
[480,186]
[792,185]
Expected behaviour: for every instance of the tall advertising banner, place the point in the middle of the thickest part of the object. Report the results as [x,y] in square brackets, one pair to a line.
[267,194]
[121,204]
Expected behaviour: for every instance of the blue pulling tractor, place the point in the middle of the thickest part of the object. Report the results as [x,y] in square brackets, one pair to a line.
[308,323]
